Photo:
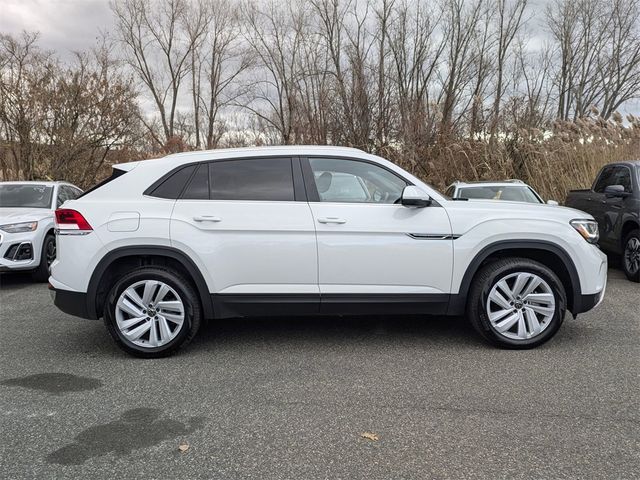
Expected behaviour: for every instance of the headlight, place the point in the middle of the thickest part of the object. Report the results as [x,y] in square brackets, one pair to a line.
[19,227]
[588,229]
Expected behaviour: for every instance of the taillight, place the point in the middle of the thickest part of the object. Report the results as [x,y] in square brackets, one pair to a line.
[71,221]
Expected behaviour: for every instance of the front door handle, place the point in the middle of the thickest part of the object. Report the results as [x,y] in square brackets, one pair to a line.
[207,218]
[331,220]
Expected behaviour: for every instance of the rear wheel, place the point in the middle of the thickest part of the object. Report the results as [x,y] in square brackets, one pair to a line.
[631,256]
[47,256]
[152,312]
[516,303]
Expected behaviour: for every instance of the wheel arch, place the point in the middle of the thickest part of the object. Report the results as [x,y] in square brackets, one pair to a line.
[123,258]
[547,253]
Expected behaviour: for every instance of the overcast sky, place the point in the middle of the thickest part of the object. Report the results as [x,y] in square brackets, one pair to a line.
[69,25]
[64,25]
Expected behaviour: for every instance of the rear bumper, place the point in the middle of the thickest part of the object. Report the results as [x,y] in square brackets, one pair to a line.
[72,303]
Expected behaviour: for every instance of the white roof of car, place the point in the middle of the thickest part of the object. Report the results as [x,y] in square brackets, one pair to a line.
[225,153]
[491,184]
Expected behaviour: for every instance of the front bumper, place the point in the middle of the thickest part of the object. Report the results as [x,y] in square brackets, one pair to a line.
[586,302]
[72,303]
[12,248]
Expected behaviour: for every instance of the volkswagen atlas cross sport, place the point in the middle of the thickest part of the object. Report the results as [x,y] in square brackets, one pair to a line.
[164,244]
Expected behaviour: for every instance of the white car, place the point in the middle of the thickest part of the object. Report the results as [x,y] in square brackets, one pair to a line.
[27,240]
[509,190]
[167,243]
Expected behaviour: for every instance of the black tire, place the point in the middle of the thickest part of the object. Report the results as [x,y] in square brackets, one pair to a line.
[187,294]
[491,274]
[41,274]
[630,241]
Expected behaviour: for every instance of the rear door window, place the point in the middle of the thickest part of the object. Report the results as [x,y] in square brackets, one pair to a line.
[267,179]
[198,188]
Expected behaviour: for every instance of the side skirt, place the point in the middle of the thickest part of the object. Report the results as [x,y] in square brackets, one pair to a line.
[251,305]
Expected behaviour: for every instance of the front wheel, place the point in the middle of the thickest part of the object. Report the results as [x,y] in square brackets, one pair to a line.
[47,256]
[516,303]
[152,312]
[631,256]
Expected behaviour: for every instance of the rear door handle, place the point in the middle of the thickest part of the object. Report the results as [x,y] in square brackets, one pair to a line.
[331,220]
[207,218]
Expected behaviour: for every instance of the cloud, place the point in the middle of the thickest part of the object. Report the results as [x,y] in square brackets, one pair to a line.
[64,25]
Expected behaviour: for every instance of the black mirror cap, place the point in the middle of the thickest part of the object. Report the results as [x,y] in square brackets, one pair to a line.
[416,202]
[613,191]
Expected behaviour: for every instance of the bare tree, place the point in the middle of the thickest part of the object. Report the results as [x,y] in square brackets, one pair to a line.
[510,15]
[275,33]
[461,20]
[60,121]
[158,49]
[599,54]
[416,50]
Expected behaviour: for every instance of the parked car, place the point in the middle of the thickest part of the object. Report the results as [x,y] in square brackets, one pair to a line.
[27,240]
[509,190]
[165,243]
[614,201]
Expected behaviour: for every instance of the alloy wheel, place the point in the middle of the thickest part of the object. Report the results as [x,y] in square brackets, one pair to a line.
[520,306]
[50,253]
[149,313]
[632,255]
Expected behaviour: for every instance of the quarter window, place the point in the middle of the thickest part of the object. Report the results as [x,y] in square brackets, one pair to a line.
[268,179]
[352,181]
[173,186]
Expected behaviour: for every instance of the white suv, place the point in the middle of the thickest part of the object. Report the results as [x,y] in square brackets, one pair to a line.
[27,240]
[165,243]
[507,190]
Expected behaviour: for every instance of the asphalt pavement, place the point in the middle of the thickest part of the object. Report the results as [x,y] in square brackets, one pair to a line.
[291,398]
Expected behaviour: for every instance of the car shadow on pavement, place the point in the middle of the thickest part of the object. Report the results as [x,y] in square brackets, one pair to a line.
[332,329]
[15,280]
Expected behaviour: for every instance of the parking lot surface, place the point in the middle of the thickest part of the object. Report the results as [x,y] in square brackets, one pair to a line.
[291,398]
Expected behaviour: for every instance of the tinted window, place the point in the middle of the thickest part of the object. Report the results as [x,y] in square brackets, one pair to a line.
[501,192]
[618,175]
[348,181]
[255,179]
[622,176]
[172,187]
[198,188]
[604,179]
[25,195]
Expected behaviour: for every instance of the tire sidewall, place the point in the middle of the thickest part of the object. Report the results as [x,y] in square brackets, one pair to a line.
[191,307]
[631,276]
[525,267]
[42,273]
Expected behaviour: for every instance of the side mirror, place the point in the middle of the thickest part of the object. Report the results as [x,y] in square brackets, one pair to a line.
[552,202]
[613,191]
[414,197]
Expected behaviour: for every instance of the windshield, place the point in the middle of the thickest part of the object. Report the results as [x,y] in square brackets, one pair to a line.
[511,193]
[25,196]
